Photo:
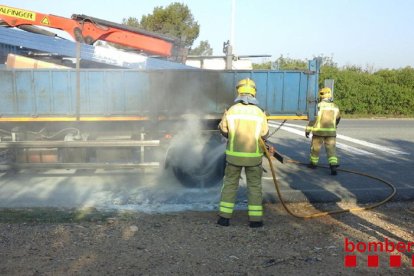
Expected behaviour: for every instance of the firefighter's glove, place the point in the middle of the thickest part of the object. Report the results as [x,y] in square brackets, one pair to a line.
[307,134]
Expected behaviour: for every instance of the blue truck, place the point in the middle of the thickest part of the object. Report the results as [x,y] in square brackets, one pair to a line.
[107,118]
[157,114]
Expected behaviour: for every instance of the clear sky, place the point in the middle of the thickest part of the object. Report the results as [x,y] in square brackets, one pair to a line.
[368,33]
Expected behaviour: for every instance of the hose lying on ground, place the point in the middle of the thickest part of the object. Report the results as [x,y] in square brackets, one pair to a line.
[263,145]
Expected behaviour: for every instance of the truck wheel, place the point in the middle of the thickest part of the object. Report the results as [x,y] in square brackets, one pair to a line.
[198,165]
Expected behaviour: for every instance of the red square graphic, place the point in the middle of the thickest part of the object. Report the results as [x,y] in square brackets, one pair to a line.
[350,261]
[412,260]
[395,261]
[373,261]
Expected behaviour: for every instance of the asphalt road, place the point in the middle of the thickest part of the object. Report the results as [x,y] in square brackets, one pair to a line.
[380,148]
[383,148]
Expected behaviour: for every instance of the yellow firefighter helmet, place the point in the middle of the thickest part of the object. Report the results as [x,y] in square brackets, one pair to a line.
[325,93]
[246,86]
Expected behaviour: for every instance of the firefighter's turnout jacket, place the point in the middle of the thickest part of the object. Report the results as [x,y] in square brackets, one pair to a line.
[326,121]
[244,125]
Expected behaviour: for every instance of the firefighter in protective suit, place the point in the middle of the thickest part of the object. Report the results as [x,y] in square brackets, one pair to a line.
[323,129]
[243,124]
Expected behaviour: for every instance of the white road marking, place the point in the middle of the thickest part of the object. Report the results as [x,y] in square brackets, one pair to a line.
[371,145]
[352,149]
[289,129]
[361,142]
[346,138]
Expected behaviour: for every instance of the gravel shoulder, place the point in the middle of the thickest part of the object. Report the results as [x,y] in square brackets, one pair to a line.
[87,242]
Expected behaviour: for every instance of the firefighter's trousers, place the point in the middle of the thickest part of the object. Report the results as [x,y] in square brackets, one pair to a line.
[254,191]
[330,147]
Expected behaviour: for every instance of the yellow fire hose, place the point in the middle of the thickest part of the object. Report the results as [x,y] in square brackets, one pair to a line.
[394,190]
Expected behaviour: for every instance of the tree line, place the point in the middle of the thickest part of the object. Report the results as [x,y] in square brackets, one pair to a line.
[358,91]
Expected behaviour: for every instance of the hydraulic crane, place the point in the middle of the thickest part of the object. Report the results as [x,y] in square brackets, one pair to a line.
[87,29]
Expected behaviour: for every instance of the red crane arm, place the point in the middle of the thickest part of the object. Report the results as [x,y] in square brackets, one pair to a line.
[88,30]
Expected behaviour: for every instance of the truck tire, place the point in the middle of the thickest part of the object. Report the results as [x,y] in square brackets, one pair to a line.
[198,166]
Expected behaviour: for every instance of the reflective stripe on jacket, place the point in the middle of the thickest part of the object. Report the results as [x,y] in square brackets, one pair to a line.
[325,122]
[244,124]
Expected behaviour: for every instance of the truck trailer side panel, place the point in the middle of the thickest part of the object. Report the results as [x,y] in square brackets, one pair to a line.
[44,94]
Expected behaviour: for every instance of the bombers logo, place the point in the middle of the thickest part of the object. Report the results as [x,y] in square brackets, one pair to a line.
[372,248]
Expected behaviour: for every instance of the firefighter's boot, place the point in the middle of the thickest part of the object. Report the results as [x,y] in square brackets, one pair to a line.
[333,169]
[223,221]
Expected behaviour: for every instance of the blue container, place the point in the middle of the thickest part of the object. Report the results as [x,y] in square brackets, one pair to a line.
[124,94]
